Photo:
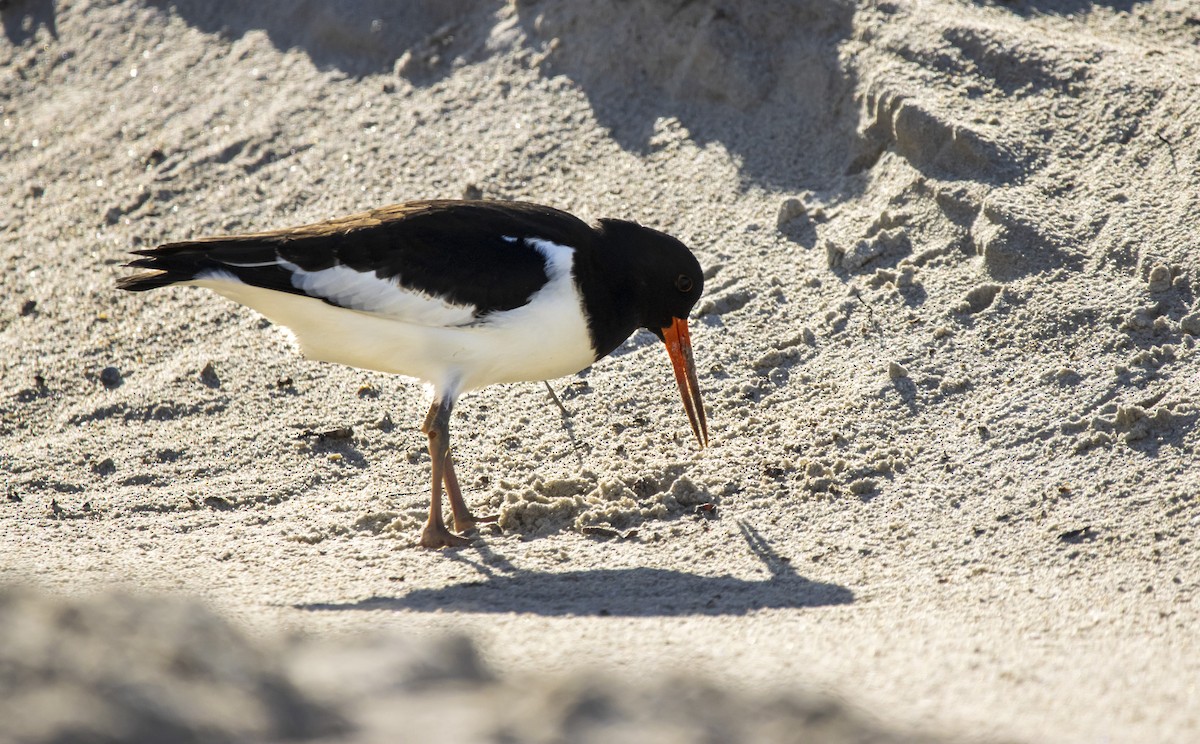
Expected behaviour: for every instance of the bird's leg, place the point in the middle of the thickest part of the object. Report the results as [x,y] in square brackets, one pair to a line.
[437,428]
[463,520]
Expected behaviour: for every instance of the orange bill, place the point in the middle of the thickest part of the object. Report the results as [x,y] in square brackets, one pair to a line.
[679,346]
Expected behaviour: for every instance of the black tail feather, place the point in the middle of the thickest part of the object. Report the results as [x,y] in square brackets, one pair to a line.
[249,258]
[149,280]
[167,265]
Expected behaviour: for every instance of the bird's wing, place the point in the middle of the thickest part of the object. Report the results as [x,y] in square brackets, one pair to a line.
[431,262]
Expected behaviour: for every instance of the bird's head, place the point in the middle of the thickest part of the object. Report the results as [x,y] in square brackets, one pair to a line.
[670,283]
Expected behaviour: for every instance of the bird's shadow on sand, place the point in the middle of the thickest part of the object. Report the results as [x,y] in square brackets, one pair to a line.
[626,592]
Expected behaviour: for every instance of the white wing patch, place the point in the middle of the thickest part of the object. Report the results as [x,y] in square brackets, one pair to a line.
[366,292]
[218,275]
[253,264]
[559,259]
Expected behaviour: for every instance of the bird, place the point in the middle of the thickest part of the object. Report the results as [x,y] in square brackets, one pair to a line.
[458,294]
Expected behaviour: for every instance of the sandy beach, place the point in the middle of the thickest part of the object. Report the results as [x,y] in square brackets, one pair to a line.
[947,347]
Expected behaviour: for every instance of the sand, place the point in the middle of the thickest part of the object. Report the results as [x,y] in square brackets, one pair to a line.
[948,347]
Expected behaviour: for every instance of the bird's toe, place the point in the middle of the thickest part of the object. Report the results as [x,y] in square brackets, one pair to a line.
[437,536]
[468,524]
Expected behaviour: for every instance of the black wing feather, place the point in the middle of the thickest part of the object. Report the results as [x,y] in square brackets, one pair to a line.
[469,252]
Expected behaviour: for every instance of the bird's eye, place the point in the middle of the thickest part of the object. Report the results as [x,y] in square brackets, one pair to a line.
[683,283]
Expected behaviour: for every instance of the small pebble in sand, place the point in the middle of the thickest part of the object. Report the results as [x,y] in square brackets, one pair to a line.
[110,377]
[208,376]
[340,433]
[896,370]
[104,467]
[602,531]
[789,210]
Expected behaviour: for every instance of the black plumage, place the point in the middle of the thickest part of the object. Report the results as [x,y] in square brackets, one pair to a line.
[466,252]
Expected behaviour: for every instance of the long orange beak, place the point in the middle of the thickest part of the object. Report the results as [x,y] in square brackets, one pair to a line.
[679,346]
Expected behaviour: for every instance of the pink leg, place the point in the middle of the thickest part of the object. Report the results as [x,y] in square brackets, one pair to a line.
[463,520]
[437,428]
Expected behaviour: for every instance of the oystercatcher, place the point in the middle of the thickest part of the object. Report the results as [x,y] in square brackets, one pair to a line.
[459,294]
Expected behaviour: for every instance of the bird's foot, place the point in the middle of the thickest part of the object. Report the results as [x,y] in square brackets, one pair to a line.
[437,536]
[468,523]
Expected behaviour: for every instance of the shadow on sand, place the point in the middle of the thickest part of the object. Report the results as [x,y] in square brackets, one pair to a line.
[627,592]
[359,37]
[764,79]
[1062,7]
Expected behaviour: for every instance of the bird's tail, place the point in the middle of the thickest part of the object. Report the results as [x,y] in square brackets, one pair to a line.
[145,280]
[174,263]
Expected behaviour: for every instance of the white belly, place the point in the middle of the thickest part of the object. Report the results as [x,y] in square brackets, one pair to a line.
[546,338]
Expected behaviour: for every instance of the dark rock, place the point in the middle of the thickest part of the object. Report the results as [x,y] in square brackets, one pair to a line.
[111,377]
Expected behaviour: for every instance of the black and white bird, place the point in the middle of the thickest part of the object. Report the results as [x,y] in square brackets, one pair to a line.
[459,294]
